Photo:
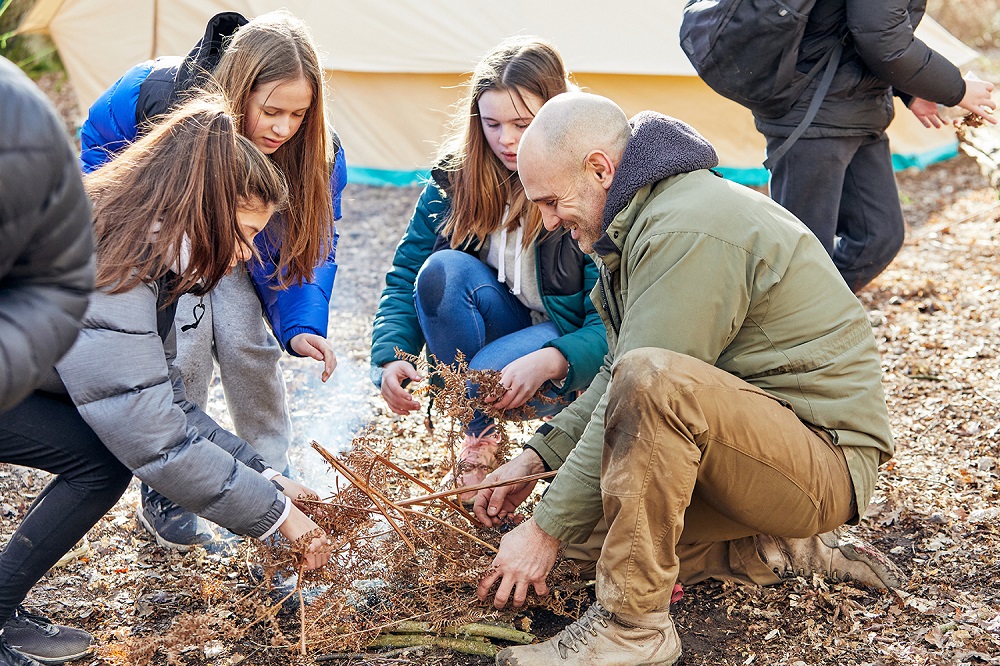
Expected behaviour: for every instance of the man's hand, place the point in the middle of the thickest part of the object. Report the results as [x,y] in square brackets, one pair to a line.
[526,556]
[319,348]
[979,100]
[494,505]
[523,376]
[317,552]
[398,398]
[926,112]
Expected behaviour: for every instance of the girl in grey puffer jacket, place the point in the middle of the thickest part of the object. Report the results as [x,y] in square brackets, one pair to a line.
[173,214]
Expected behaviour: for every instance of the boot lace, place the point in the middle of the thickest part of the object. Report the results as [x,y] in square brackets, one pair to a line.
[569,638]
[39,622]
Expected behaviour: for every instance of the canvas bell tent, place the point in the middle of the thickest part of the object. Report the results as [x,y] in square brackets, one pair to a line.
[395,67]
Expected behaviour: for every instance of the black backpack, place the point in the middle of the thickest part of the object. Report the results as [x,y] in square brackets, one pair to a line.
[746,50]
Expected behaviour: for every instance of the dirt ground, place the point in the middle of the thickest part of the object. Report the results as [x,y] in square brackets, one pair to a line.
[936,512]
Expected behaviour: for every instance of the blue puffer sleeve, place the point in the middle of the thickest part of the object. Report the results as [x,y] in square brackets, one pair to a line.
[303,308]
[396,323]
[111,123]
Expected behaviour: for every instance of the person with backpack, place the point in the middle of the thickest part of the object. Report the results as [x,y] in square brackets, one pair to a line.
[173,214]
[270,71]
[475,273]
[738,420]
[819,77]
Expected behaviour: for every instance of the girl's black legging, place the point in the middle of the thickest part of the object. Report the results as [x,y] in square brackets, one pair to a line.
[47,432]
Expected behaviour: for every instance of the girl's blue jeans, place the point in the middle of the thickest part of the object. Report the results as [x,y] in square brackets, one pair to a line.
[462,307]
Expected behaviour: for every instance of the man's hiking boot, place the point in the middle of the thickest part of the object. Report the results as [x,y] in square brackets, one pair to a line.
[605,639]
[11,657]
[831,555]
[172,526]
[40,640]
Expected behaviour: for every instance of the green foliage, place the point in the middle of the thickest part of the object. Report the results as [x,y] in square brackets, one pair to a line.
[34,54]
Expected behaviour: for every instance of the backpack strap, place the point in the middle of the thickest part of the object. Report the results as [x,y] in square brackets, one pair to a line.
[832,61]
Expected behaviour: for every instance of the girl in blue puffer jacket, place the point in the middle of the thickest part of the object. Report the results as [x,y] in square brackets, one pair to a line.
[269,70]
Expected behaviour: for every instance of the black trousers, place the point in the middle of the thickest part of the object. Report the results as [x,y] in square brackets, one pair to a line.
[844,190]
[47,432]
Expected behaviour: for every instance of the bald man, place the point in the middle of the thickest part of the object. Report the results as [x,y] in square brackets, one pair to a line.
[739,416]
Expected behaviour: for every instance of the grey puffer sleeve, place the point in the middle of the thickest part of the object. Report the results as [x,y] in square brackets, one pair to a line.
[118,376]
[46,238]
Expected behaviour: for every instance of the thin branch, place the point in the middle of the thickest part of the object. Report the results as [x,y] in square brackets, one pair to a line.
[445,523]
[481,486]
[451,505]
[375,496]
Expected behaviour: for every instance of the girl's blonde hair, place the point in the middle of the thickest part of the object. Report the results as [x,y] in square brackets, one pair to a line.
[272,47]
[175,191]
[480,185]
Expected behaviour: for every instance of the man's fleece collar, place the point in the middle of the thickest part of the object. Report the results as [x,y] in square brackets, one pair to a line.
[660,147]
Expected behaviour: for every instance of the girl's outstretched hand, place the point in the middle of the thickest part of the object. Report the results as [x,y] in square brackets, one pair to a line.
[317,550]
[400,400]
[926,112]
[317,347]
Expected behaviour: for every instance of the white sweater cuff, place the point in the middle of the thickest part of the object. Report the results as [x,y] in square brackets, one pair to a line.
[280,520]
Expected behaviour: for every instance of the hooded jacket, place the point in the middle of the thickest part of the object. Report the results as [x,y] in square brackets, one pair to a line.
[881,56]
[151,89]
[738,283]
[565,277]
[46,238]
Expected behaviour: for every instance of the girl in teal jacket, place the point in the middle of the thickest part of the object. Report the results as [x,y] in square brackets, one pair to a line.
[477,273]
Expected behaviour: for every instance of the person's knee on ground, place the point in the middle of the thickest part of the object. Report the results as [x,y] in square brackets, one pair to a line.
[885,244]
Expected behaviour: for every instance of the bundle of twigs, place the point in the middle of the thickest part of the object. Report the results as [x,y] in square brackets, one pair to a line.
[404,552]
[400,557]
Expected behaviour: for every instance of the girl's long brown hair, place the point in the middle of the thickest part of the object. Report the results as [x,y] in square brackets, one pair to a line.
[185,178]
[277,47]
[480,185]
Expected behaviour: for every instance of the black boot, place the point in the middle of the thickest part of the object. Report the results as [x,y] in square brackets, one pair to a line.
[36,639]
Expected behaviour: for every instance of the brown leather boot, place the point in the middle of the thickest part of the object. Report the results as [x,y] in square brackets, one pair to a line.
[831,554]
[605,639]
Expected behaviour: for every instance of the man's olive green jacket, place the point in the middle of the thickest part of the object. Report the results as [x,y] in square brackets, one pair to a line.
[698,265]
